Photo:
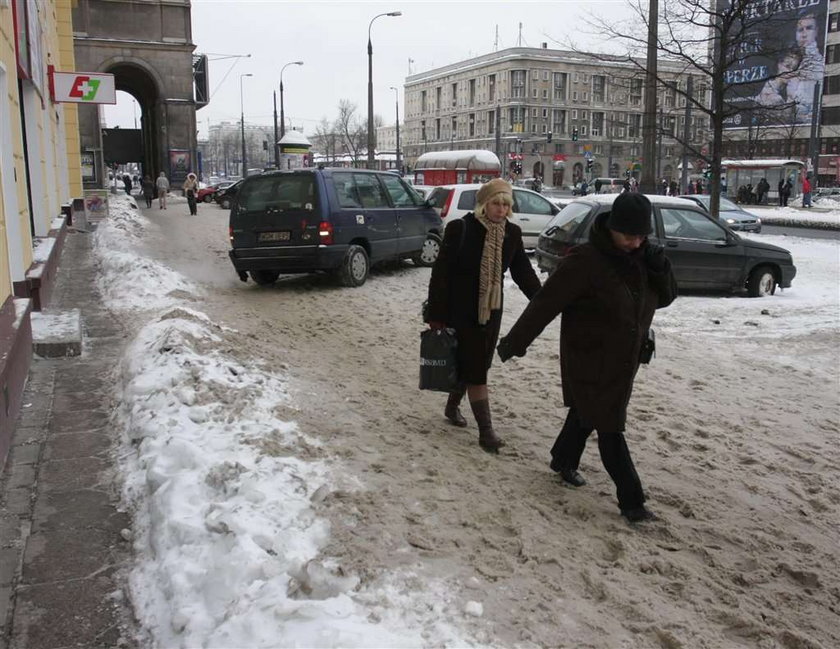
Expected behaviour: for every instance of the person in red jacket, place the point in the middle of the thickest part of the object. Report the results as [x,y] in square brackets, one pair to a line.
[806,192]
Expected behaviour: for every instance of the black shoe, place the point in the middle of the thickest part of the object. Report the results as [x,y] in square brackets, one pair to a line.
[639,515]
[568,475]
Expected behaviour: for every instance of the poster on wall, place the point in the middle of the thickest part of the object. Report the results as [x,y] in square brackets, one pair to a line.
[179,166]
[778,63]
[88,161]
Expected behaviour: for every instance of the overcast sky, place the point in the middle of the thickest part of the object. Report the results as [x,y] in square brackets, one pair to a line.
[331,39]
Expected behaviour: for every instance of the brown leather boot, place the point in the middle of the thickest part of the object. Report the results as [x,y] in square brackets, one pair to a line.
[452,411]
[487,438]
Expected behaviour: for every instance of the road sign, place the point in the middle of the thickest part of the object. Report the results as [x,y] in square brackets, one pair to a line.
[587,155]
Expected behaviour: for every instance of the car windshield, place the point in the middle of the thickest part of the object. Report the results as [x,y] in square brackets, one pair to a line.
[567,220]
[281,192]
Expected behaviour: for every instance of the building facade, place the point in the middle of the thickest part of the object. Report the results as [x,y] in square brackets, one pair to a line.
[39,177]
[555,114]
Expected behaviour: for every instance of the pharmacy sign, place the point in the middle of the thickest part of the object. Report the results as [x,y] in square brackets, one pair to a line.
[83,87]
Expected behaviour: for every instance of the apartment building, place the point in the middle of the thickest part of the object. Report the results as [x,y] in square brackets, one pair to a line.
[554,111]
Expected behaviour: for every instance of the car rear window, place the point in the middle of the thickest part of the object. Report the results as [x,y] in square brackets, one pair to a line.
[437,197]
[567,220]
[281,192]
[467,199]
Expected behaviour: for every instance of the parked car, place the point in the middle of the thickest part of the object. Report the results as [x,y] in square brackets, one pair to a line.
[534,184]
[206,193]
[732,214]
[531,211]
[224,196]
[337,220]
[705,253]
[608,185]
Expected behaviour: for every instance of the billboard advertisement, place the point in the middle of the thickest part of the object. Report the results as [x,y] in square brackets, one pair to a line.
[775,62]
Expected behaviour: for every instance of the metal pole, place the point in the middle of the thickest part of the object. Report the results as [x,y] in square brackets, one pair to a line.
[648,181]
[242,118]
[276,139]
[689,89]
[813,142]
[371,139]
[397,105]
[282,111]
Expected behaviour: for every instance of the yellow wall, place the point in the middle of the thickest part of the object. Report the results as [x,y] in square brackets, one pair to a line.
[67,61]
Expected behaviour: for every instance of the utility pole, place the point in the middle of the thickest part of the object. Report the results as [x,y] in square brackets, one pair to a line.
[689,89]
[276,139]
[649,161]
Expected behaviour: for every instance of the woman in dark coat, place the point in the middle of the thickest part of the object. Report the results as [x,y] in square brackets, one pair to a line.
[148,190]
[607,291]
[466,294]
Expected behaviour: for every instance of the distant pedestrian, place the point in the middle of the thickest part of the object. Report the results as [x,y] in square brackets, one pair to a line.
[781,192]
[674,188]
[663,188]
[761,190]
[597,185]
[699,187]
[584,188]
[162,184]
[127,183]
[786,190]
[806,192]
[148,190]
[190,191]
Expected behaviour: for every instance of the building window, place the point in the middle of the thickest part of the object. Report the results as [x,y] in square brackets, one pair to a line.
[454,94]
[423,102]
[585,95]
[517,119]
[472,92]
[599,83]
[544,129]
[453,133]
[558,122]
[574,95]
[471,123]
[598,149]
[576,77]
[560,82]
[634,125]
[545,94]
[833,22]
[491,87]
[635,92]
[574,113]
[583,114]
[423,130]
[597,123]
[437,128]
[438,98]
[583,130]
[491,121]
[558,147]
[517,84]
[545,75]
[535,74]
[832,85]
[534,92]
[545,112]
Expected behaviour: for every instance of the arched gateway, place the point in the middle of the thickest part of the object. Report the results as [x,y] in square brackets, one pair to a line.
[147,46]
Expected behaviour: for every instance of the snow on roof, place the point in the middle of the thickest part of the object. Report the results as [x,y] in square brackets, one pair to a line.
[295,137]
[761,164]
[467,159]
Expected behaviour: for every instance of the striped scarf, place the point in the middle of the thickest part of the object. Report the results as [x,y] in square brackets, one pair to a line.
[490,271]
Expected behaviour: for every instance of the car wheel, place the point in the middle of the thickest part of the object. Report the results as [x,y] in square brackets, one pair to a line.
[264,277]
[762,282]
[429,252]
[355,267]
[225,203]
[208,198]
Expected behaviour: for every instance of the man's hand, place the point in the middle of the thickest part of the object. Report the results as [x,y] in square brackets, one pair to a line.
[436,325]
[654,256]
[504,350]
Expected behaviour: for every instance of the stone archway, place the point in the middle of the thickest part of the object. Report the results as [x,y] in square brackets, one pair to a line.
[151,58]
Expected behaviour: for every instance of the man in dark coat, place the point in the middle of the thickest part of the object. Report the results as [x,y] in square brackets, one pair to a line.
[455,296]
[607,291]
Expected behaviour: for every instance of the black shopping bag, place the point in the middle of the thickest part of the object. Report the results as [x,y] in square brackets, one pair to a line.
[438,362]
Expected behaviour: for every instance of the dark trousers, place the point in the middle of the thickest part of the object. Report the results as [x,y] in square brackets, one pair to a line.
[191,202]
[568,449]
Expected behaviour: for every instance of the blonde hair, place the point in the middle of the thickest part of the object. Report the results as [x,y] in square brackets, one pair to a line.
[504,197]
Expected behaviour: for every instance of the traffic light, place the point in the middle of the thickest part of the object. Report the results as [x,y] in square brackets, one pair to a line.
[548,138]
[589,164]
[574,134]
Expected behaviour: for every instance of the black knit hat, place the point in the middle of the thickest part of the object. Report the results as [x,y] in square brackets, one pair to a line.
[630,214]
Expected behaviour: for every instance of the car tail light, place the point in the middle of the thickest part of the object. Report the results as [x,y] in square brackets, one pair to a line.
[446,205]
[325,232]
[230,235]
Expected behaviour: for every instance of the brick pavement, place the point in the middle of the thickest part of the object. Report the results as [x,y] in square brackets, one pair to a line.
[62,557]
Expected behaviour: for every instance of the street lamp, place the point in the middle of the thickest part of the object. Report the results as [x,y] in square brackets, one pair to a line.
[370,139]
[397,106]
[282,117]
[242,116]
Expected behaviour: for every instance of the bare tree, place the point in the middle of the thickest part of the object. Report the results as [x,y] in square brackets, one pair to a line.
[327,140]
[714,40]
[351,129]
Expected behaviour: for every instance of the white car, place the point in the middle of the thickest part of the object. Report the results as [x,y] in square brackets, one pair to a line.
[531,211]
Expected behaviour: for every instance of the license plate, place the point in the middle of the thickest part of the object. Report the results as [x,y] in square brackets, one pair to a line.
[284,235]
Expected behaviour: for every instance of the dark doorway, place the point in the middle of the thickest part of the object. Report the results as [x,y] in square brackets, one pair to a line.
[137,82]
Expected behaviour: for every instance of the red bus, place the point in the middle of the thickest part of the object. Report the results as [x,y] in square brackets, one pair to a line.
[456,167]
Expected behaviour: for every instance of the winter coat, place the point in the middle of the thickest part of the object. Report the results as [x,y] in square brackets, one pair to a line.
[607,298]
[806,186]
[148,188]
[453,288]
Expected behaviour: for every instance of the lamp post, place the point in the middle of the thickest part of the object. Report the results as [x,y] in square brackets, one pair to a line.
[282,116]
[371,146]
[242,116]
[397,106]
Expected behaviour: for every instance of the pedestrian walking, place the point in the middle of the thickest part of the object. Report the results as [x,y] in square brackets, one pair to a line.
[190,188]
[806,192]
[781,192]
[466,293]
[607,291]
[148,188]
[786,190]
[761,190]
[674,188]
[162,184]
[597,185]
[127,183]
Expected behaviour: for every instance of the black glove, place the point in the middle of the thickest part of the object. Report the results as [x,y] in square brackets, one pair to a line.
[504,350]
[654,255]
